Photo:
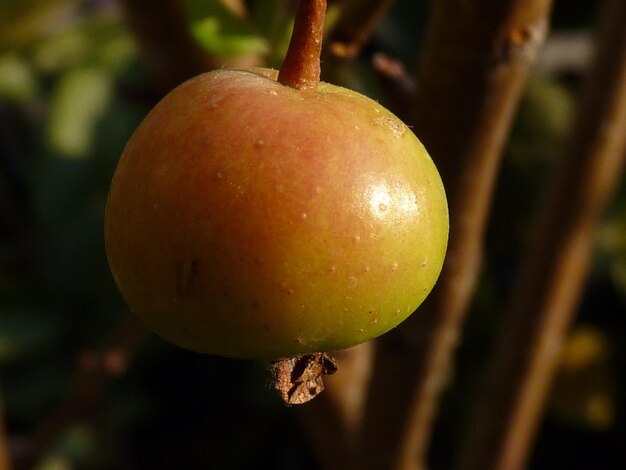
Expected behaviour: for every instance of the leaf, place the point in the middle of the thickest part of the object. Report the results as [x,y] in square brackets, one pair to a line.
[210,33]
[63,49]
[17,81]
[26,20]
[275,22]
[222,32]
[96,40]
[79,100]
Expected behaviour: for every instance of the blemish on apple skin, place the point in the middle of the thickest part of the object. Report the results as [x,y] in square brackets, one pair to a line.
[303,215]
[398,311]
[332,269]
[259,143]
[394,266]
[218,176]
[187,271]
[424,263]
[356,238]
[286,289]
[396,127]
[215,101]
[352,282]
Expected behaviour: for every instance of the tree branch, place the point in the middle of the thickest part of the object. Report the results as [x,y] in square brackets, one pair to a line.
[553,273]
[472,70]
[356,23]
[332,419]
[397,86]
[95,372]
[170,53]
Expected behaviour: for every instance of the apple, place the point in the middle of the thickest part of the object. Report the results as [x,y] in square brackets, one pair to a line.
[250,219]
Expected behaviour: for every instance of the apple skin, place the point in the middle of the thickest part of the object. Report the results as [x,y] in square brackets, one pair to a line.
[248,219]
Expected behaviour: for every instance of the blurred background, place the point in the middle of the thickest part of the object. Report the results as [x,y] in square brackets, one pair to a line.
[73,87]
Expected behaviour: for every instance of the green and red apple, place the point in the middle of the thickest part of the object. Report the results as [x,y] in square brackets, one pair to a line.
[250,219]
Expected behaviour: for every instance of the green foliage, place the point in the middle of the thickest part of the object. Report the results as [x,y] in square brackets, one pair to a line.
[209,32]
[275,23]
[17,80]
[78,100]
[223,33]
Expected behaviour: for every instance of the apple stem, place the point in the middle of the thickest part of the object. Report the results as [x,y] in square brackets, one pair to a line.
[301,67]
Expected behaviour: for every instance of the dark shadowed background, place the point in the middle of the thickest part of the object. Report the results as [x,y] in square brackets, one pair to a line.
[73,86]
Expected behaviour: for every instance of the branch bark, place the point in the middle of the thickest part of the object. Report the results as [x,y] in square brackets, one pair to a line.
[553,273]
[168,49]
[397,86]
[472,70]
[332,419]
[356,23]
[170,53]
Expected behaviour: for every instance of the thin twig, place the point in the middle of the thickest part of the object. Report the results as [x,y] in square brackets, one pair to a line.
[555,267]
[472,70]
[94,373]
[397,85]
[238,7]
[356,23]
